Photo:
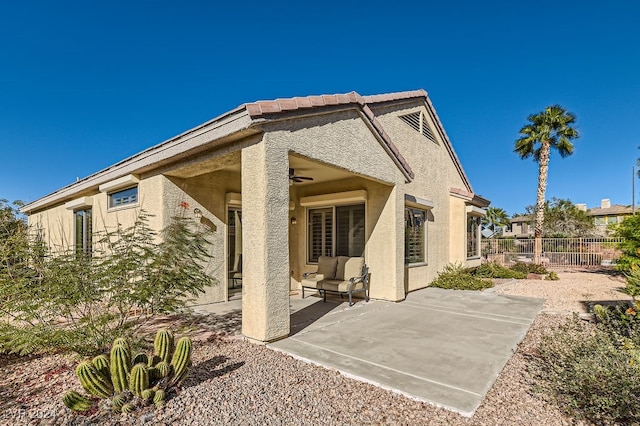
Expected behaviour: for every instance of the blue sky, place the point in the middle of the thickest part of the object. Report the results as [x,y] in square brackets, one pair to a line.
[86,84]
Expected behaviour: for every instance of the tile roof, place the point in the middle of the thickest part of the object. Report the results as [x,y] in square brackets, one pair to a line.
[261,109]
[277,106]
[614,209]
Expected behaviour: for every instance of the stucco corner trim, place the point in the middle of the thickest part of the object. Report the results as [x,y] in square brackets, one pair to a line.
[119,183]
[476,211]
[334,198]
[413,201]
[79,203]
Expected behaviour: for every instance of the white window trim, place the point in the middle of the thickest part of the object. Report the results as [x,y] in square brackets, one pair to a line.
[336,198]
[120,183]
[81,203]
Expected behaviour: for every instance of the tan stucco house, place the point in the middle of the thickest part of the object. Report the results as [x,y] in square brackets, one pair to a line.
[386,184]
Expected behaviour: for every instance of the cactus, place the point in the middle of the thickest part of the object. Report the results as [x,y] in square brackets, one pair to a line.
[147,394]
[153,374]
[163,345]
[119,400]
[158,398]
[105,377]
[163,369]
[92,381]
[101,363]
[153,360]
[140,358]
[181,360]
[121,341]
[76,402]
[139,380]
[120,367]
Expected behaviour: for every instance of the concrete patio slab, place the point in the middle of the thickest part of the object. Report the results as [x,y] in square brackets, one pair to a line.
[439,346]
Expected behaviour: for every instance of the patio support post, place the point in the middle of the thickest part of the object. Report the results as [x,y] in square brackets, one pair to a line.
[385,253]
[265,212]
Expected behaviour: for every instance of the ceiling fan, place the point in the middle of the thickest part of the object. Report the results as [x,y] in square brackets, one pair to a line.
[297,179]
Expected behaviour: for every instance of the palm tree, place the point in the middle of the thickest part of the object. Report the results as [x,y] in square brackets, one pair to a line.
[551,128]
[496,217]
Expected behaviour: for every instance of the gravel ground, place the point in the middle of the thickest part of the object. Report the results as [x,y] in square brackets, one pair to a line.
[235,382]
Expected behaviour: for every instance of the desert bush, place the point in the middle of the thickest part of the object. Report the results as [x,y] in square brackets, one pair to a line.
[622,319]
[552,276]
[495,270]
[633,283]
[529,268]
[455,277]
[589,373]
[80,303]
[629,230]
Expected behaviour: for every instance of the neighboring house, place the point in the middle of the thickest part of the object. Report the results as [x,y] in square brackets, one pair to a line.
[387,185]
[519,227]
[606,215]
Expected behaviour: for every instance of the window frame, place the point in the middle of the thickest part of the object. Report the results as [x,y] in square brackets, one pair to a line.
[84,247]
[425,236]
[333,208]
[477,219]
[110,199]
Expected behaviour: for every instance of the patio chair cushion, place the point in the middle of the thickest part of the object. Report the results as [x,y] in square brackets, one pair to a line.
[338,285]
[327,267]
[342,261]
[349,267]
[312,282]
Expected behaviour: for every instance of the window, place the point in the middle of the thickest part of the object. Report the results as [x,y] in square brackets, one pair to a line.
[473,224]
[415,235]
[124,197]
[83,231]
[336,231]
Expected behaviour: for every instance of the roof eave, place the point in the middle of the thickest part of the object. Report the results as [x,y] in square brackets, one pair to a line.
[200,136]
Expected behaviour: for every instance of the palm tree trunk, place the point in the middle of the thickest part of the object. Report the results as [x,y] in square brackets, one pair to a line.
[543,172]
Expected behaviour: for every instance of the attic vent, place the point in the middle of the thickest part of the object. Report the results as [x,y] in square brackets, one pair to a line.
[418,122]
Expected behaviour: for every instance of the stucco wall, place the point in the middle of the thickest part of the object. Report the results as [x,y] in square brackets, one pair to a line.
[340,139]
[160,198]
[435,173]
[380,232]
[207,192]
[57,222]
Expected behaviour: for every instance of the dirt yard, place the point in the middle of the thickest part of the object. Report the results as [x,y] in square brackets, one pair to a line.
[573,292]
[235,382]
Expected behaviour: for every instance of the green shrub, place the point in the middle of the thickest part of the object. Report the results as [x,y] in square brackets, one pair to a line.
[454,277]
[633,283]
[529,268]
[552,276]
[495,270]
[629,230]
[622,319]
[129,278]
[588,374]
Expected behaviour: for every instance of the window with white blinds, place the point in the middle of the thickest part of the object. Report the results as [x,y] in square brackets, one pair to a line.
[415,236]
[336,231]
